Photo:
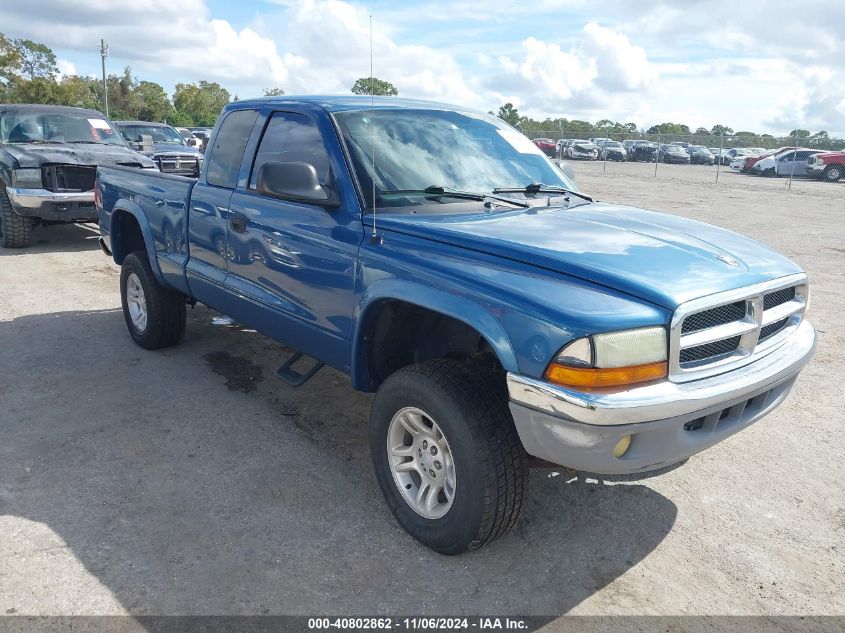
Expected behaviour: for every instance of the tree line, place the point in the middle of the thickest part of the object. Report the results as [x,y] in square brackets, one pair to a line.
[573,128]
[29,74]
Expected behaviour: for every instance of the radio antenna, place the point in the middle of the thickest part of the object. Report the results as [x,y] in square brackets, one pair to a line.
[374,236]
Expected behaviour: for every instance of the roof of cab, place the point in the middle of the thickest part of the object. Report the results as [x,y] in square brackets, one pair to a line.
[339,103]
[49,108]
[142,123]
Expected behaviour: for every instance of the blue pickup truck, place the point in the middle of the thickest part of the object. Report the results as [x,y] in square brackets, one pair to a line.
[438,258]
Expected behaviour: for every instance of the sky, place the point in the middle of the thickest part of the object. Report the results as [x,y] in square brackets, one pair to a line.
[768,66]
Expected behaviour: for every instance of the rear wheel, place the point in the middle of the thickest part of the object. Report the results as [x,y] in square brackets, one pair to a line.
[832,173]
[155,315]
[15,230]
[447,456]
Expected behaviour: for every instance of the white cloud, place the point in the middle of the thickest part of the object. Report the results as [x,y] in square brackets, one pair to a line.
[65,68]
[620,65]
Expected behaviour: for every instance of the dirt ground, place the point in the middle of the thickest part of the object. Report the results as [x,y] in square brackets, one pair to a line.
[192,481]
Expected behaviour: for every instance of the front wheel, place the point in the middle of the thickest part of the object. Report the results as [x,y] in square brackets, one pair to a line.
[15,230]
[155,315]
[447,456]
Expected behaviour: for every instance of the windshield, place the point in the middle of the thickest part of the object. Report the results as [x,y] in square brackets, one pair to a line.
[418,149]
[159,133]
[674,149]
[28,126]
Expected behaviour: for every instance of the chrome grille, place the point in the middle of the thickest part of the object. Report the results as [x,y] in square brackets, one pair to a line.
[773,328]
[718,333]
[709,350]
[774,299]
[713,317]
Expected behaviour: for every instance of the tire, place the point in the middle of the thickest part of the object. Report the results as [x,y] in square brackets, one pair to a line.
[832,173]
[15,230]
[488,462]
[163,309]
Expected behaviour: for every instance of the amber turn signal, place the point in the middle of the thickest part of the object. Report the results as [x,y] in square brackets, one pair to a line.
[599,378]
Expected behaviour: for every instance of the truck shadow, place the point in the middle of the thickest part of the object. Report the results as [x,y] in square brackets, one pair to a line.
[180,495]
[59,238]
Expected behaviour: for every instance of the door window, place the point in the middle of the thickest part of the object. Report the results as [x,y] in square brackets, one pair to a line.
[292,137]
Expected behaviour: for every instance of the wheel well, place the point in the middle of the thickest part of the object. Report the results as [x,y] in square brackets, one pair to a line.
[126,236]
[398,334]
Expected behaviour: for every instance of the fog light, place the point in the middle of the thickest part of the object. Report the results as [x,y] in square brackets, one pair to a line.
[622,447]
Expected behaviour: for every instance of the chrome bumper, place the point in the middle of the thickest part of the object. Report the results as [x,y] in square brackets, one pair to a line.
[52,205]
[35,198]
[580,430]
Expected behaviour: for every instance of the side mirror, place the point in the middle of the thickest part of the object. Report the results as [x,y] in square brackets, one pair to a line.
[296,181]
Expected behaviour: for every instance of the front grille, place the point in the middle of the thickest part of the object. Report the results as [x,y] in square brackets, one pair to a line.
[707,339]
[772,328]
[779,297]
[713,317]
[709,350]
[181,164]
[68,178]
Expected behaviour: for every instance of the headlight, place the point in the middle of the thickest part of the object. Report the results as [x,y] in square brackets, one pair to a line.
[30,178]
[613,359]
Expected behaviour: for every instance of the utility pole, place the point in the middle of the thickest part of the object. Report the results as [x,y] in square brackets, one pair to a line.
[104,52]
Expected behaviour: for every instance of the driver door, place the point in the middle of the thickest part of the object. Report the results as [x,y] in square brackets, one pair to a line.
[296,261]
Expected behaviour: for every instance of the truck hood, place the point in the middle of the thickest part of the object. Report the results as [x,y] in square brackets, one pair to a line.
[37,154]
[662,258]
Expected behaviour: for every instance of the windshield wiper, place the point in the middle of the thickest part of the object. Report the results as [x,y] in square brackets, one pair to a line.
[33,140]
[456,193]
[87,143]
[536,187]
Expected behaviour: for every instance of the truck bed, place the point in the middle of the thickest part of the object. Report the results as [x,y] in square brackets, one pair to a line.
[160,202]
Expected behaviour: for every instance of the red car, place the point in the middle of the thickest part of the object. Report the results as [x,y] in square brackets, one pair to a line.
[546,145]
[828,166]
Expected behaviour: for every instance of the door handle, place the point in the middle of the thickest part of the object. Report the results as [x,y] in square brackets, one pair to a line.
[238,223]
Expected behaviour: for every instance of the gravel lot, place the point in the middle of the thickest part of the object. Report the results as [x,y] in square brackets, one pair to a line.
[192,481]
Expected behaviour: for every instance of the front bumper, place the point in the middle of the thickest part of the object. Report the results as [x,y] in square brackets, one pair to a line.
[667,421]
[51,205]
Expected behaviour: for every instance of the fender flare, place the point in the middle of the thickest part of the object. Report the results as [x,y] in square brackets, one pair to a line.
[451,305]
[118,253]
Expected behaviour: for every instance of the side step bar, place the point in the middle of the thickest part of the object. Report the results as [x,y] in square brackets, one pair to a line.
[294,378]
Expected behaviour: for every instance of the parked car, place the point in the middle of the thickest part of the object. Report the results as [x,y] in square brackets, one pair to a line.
[612,150]
[170,151]
[828,166]
[643,151]
[734,152]
[596,140]
[189,137]
[672,154]
[581,149]
[559,147]
[700,155]
[546,145]
[750,161]
[791,162]
[203,134]
[604,338]
[48,161]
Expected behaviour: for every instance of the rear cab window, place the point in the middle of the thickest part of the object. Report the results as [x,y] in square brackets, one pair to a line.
[226,156]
